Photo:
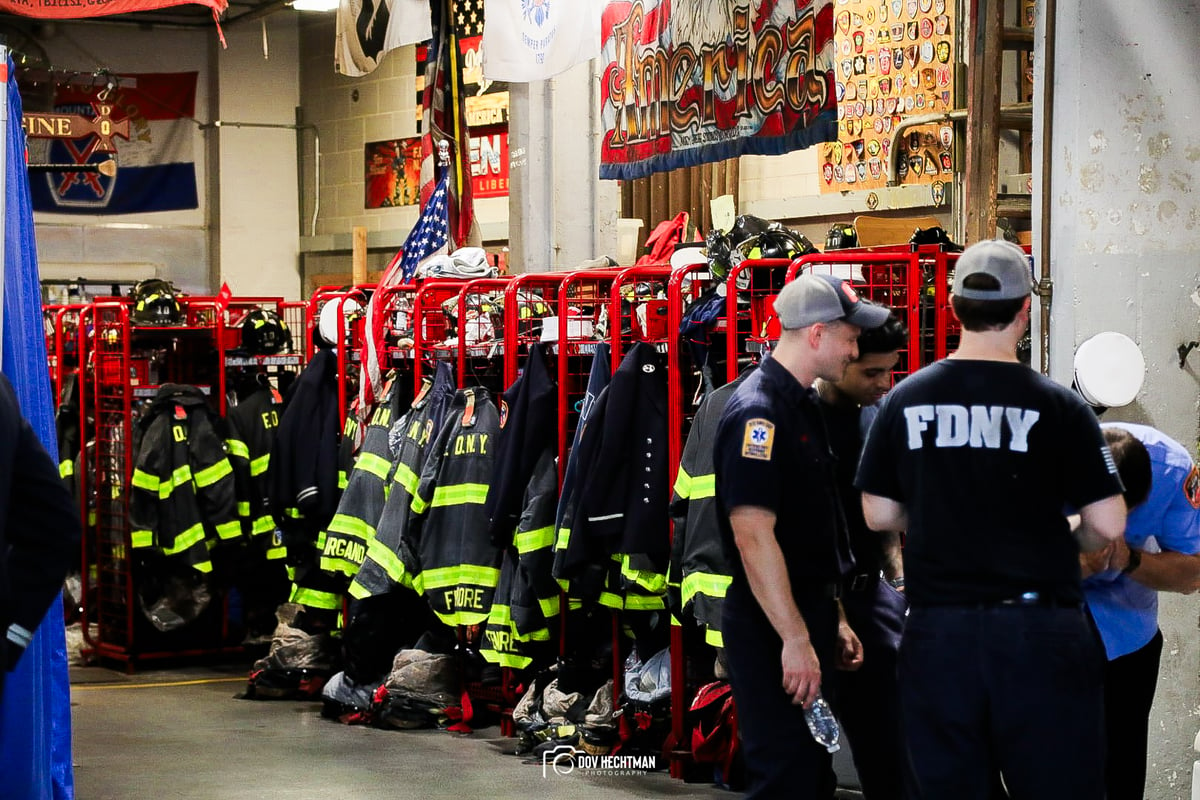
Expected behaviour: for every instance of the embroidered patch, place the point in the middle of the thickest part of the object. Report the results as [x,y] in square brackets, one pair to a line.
[1191,487]
[758,439]
[503,413]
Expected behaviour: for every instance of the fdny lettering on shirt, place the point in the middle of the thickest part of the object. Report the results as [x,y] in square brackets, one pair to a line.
[383,417]
[464,597]
[345,548]
[470,443]
[978,427]
[758,439]
[418,433]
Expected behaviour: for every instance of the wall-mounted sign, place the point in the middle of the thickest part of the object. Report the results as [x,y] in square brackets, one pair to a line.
[393,169]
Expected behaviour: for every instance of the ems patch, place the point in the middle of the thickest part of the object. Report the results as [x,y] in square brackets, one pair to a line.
[758,439]
[1191,487]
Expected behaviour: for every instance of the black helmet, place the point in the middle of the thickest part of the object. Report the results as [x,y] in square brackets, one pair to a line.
[841,236]
[773,243]
[154,303]
[264,333]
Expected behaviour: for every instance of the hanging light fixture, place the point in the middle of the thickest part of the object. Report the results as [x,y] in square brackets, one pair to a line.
[315,5]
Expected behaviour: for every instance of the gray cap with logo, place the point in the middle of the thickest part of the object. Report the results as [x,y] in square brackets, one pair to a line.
[1004,261]
[810,299]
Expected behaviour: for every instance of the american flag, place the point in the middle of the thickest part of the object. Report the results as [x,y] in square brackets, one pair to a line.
[428,238]
[444,118]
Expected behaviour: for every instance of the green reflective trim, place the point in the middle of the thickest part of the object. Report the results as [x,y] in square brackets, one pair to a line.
[704,486]
[237,448]
[315,599]
[459,574]
[92,516]
[459,494]
[276,553]
[653,582]
[229,530]
[705,583]
[321,541]
[511,660]
[459,617]
[540,635]
[714,637]
[574,604]
[210,475]
[419,504]
[144,480]
[142,538]
[264,524]
[610,600]
[351,526]
[202,566]
[294,513]
[500,616]
[562,539]
[358,591]
[643,602]
[383,555]
[379,467]
[343,479]
[675,623]
[181,476]
[537,539]
[683,484]
[259,465]
[66,469]
[550,606]
[243,508]
[192,536]
[406,478]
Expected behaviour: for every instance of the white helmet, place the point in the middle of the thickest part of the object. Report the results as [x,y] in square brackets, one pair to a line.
[329,327]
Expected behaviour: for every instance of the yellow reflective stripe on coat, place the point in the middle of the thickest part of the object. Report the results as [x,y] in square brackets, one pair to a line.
[210,475]
[314,598]
[642,602]
[144,480]
[66,469]
[379,467]
[243,508]
[537,539]
[562,538]
[470,574]
[459,494]
[237,448]
[653,582]
[259,465]
[229,530]
[264,524]
[683,484]
[419,504]
[550,606]
[704,486]
[183,541]
[142,538]
[705,583]
[714,637]
[406,478]
[343,479]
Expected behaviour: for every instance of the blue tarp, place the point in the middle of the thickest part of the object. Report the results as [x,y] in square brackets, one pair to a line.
[35,720]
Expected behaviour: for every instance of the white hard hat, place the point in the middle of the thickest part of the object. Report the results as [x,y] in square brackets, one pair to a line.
[1109,369]
[330,328]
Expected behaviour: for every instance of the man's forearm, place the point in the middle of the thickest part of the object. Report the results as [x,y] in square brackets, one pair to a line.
[1169,572]
[893,560]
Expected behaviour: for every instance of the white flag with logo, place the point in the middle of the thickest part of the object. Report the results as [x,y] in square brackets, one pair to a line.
[532,40]
[368,29]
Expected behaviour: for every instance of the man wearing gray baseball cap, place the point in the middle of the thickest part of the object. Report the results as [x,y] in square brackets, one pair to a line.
[975,457]
[785,536]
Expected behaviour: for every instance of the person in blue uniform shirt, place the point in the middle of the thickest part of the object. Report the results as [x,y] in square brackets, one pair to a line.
[975,457]
[784,533]
[39,530]
[1159,553]
[872,601]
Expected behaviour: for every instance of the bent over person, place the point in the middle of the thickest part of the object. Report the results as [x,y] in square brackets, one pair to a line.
[785,536]
[39,530]
[976,457]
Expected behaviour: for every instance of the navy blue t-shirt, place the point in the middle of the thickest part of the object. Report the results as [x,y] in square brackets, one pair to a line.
[772,451]
[985,456]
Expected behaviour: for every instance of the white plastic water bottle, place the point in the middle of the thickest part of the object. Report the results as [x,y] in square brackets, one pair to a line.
[823,724]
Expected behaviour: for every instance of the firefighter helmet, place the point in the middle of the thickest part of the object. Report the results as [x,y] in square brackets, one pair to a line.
[264,333]
[330,328]
[841,236]
[155,303]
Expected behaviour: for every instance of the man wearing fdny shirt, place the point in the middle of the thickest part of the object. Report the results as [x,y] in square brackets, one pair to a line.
[1159,552]
[975,457]
[784,533]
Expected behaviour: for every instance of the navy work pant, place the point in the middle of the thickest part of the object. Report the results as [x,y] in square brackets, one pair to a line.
[1015,689]
[1129,683]
[868,701]
[782,759]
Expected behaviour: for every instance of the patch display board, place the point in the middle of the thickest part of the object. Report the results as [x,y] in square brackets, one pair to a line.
[895,58]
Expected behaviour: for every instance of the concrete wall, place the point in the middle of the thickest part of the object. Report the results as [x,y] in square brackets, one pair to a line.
[1126,230]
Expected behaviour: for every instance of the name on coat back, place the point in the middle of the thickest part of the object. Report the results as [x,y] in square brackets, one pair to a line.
[977,427]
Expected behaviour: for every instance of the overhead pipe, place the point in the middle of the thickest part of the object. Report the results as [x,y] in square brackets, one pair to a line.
[1045,287]
[1014,115]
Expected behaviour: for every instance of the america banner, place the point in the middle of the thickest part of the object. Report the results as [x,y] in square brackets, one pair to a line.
[689,82]
[155,169]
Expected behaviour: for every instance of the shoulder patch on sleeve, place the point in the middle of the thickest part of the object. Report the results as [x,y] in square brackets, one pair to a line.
[1191,487]
[758,439]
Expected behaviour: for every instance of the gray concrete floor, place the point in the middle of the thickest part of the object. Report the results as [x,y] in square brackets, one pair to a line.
[181,734]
